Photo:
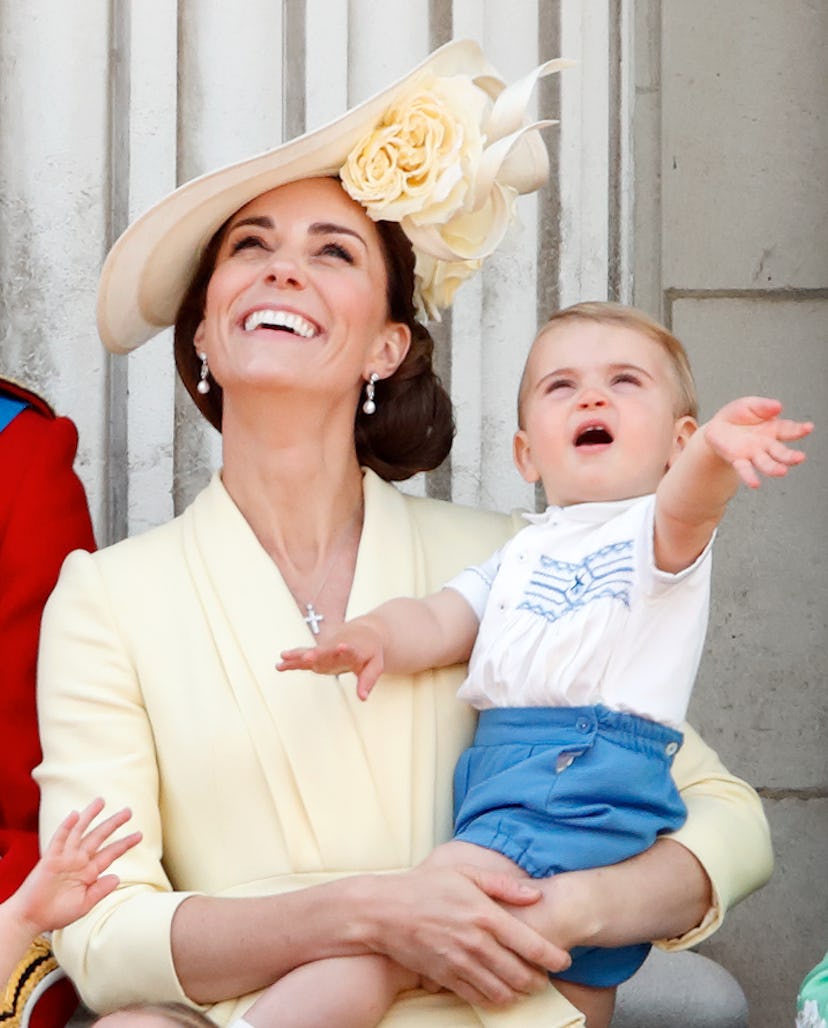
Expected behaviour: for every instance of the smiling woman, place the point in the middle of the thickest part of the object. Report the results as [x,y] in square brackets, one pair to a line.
[283,821]
[412,426]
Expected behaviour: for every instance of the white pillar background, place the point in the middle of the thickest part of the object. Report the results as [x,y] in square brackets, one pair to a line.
[107,105]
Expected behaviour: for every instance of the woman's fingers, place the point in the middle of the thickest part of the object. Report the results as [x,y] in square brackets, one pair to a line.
[500,976]
[481,967]
[457,935]
[516,936]
[516,890]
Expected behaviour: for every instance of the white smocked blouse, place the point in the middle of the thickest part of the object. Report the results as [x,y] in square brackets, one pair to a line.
[573,612]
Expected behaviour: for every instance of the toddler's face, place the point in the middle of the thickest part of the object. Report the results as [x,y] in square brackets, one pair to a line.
[598,413]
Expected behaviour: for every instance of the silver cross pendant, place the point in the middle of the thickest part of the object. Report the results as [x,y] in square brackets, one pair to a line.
[312,619]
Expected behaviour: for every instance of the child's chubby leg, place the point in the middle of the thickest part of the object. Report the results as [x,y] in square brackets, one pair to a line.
[595,1003]
[451,854]
[349,992]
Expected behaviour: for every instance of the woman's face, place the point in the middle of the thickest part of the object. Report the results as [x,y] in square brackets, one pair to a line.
[297,297]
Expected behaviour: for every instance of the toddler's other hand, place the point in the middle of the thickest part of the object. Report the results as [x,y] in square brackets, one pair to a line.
[354,648]
[750,435]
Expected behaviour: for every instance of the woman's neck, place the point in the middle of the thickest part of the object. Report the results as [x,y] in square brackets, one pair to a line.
[299,487]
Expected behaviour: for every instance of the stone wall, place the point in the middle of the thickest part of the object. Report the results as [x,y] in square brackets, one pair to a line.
[731,243]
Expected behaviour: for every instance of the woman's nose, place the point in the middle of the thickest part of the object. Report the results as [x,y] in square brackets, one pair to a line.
[285,272]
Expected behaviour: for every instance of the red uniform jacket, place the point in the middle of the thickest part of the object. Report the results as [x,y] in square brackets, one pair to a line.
[43,516]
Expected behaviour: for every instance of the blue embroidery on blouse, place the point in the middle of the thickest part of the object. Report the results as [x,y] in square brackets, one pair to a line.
[487,581]
[558,587]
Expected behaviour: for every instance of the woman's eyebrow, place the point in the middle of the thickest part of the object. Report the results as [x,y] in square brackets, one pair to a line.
[318,228]
[325,228]
[260,222]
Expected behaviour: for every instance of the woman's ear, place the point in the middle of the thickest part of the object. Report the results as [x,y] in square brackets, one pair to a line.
[522,454]
[198,337]
[682,430]
[389,353]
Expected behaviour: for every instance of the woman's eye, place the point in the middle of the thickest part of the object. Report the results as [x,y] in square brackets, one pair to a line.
[333,249]
[246,243]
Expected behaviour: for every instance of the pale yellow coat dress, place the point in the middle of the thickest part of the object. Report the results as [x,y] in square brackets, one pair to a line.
[158,690]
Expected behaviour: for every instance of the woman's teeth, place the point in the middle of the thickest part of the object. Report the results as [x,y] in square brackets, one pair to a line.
[280,319]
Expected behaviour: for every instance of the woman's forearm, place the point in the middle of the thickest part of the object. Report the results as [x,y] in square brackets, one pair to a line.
[445,924]
[226,947]
[660,893]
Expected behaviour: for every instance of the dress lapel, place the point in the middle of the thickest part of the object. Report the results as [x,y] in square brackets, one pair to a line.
[341,772]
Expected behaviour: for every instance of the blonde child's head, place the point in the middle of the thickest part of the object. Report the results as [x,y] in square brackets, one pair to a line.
[154,1015]
[606,402]
[608,313]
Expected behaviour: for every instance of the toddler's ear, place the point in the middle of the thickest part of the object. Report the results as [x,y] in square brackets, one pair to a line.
[682,430]
[523,457]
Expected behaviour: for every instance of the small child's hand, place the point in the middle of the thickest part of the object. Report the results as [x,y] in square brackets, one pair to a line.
[749,434]
[67,881]
[355,648]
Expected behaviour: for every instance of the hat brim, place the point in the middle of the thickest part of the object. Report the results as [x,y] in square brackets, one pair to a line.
[148,270]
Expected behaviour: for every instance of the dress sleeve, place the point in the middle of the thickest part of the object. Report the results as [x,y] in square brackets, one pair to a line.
[43,516]
[726,830]
[97,740]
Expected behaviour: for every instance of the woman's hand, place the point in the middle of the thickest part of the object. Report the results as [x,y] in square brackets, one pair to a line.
[448,925]
[661,893]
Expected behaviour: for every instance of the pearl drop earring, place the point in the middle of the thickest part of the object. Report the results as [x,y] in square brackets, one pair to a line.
[370,389]
[203,385]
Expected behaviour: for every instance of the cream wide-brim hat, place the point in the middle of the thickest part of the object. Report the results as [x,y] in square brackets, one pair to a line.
[150,267]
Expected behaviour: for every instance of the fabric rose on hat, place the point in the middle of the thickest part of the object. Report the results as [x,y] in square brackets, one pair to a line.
[447,160]
[420,159]
[437,282]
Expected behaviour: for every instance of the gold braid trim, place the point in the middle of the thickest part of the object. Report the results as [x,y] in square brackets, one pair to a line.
[38,962]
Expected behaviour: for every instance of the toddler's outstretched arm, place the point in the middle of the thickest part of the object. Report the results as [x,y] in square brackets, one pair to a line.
[743,440]
[66,882]
[402,636]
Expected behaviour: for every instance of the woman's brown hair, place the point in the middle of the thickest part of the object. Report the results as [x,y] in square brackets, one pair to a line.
[413,426]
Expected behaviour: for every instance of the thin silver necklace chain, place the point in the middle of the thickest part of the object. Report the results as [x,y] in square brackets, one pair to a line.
[312,616]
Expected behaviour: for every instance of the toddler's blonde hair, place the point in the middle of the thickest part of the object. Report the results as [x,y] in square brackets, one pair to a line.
[607,313]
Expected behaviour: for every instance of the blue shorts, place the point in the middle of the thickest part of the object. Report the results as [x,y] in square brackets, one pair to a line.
[563,788]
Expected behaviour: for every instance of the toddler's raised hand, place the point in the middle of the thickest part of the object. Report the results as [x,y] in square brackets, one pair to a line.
[68,879]
[750,435]
[355,647]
